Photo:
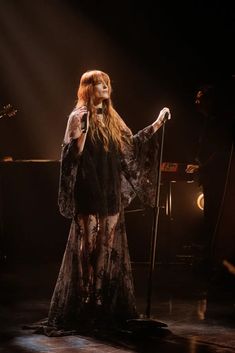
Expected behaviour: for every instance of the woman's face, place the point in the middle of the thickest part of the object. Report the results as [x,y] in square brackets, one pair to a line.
[101,91]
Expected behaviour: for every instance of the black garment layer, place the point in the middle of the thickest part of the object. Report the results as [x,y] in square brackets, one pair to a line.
[98,180]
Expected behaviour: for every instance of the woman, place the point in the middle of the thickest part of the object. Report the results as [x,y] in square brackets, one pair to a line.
[103,167]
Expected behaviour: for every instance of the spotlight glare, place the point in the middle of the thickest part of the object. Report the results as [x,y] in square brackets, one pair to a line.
[200,201]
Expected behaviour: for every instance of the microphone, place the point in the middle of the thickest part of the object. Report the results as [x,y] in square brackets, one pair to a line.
[84,123]
[166,117]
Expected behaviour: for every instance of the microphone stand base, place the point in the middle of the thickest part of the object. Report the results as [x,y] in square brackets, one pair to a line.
[147,327]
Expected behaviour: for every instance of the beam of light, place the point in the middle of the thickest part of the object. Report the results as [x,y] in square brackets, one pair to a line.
[29,73]
[45,47]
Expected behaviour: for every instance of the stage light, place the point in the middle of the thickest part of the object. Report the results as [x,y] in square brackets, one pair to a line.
[200,201]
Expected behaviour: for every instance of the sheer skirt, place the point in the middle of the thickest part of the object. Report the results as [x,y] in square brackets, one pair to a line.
[95,284]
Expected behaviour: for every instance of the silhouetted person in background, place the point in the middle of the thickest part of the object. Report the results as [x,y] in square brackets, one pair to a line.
[214,157]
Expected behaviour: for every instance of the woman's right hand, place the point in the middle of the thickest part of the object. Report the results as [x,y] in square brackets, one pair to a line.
[74,130]
[79,122]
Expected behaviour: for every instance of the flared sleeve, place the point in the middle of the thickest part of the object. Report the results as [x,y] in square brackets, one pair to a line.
[68,173]
[140,167]
[70,160]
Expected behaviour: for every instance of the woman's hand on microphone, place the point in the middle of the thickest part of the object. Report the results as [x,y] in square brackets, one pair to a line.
[76,124]
[162,116]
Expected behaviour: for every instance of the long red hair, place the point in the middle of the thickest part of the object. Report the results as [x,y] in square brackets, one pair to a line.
[115,129]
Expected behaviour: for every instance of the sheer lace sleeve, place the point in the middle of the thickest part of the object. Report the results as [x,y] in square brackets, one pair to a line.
[73,129]
[140,165]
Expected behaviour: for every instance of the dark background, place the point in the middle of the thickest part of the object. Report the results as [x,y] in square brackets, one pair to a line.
[156,53]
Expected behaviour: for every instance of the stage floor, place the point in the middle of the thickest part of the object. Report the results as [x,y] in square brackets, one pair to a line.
[200,315]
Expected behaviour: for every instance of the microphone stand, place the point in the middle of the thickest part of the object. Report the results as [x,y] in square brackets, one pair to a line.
[155,228]
[148,324]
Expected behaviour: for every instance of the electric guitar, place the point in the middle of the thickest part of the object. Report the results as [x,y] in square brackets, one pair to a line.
[8,111]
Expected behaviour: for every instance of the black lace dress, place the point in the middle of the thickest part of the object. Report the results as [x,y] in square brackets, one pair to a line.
[95,285]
